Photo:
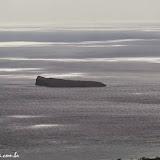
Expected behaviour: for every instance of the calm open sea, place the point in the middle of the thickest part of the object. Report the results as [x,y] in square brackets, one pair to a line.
[121,120]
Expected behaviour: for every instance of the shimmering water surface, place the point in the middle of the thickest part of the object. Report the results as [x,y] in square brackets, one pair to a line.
[121,120]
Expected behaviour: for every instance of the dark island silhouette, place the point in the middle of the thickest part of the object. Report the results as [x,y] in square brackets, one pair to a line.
[54,82]
[144,158]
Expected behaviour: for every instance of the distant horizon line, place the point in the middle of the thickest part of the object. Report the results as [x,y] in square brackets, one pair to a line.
[76,23]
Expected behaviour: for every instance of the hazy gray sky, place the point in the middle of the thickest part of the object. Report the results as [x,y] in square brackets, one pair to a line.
[53,11]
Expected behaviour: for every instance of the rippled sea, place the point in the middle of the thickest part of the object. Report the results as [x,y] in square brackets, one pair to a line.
[121,120]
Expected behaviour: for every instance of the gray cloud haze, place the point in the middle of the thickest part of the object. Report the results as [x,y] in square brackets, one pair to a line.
[53,11]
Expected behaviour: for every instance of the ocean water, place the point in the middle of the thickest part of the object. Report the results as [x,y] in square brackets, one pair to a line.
[121,120]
